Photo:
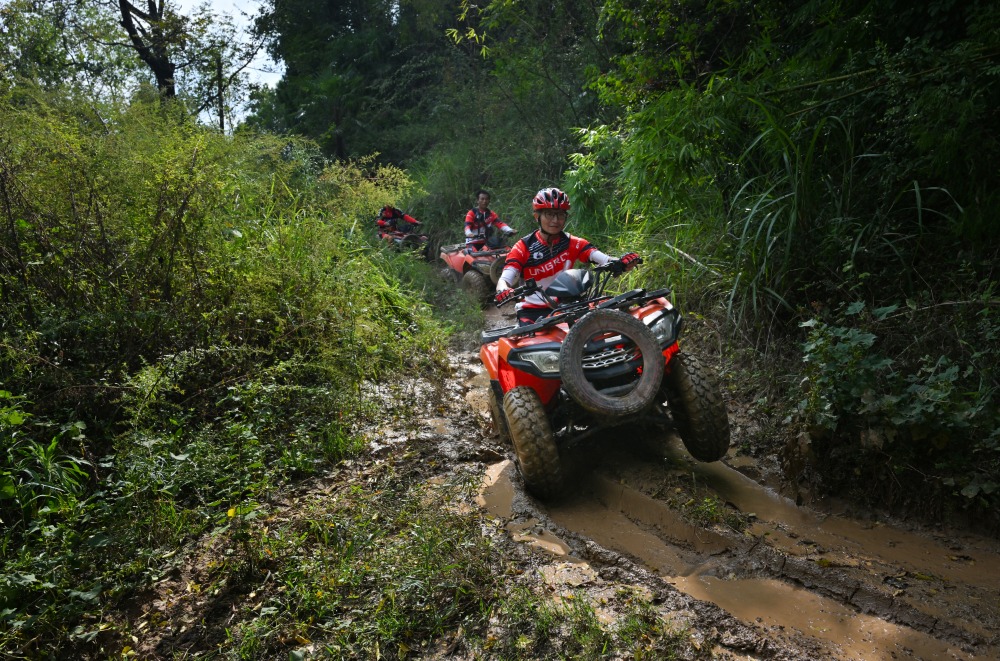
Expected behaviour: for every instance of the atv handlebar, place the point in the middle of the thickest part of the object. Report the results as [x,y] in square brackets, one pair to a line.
[610,270]
[614,267]
[529,287]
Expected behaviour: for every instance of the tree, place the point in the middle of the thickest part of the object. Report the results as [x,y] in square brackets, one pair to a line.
[111,47]
[65,44]
[154,34]
[208,48]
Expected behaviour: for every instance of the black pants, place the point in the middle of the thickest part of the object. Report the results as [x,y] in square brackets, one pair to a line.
[527,316]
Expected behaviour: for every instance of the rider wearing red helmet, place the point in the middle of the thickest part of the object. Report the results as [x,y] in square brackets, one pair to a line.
[546,252]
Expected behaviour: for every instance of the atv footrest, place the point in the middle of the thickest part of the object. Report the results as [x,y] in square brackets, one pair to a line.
[496,334]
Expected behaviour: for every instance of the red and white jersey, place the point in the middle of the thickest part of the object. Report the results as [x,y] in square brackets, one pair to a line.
[477,223]
[533,258]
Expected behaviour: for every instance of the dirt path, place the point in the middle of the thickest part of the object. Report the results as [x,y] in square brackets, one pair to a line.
[793,583]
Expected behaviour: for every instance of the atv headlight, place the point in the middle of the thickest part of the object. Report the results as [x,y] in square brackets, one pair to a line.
[546,362]
[665,328]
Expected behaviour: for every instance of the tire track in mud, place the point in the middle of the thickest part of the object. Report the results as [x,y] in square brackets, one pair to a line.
[843,605]
[844,588]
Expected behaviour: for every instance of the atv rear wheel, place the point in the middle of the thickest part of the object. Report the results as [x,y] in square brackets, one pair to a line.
[534,444]
[496,411]
[600,323]
[476,285]
[695,400]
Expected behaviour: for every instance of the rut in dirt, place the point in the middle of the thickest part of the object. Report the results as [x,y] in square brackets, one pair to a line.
[854,589]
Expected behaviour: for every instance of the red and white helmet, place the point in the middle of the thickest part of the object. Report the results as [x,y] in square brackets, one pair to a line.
[550,198]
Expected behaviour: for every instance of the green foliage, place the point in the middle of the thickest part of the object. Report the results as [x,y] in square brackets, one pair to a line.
[207,308]
[932,420]
[569,627]
[381,567]
[65,44]
[357,75]
[41,484]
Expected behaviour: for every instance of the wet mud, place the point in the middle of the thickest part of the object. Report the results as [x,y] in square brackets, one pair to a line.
[815,580]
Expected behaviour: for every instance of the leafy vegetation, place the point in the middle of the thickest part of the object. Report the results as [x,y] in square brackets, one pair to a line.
[193,322]
[188,322]
[193,325]
[799,170]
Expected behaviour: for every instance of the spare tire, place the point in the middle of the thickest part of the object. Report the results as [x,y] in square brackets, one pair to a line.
[626,401]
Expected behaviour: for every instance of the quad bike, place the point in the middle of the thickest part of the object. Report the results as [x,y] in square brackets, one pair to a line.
[596,361]
[477,272]
[406,238]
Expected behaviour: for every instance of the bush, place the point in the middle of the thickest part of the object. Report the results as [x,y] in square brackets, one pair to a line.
[906,429]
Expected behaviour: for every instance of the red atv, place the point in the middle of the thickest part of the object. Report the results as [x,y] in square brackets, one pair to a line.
[476,272]
[594,362]
[406,238]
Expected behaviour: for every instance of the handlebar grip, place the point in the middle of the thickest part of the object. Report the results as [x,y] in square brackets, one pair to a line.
[528,287]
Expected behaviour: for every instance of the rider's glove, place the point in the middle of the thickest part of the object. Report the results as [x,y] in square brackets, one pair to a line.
[628,261]
[503,296]
[508,231]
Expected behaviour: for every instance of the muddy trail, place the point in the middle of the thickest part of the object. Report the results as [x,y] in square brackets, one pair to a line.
[790,581]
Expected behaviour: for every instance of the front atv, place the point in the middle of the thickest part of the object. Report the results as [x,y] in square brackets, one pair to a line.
[596,362]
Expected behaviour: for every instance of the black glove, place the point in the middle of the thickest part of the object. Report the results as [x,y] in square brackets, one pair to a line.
[629,261]
[503,295]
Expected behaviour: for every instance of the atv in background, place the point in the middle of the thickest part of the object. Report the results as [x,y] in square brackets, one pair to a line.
[595,362]
[406,238]
[476,272]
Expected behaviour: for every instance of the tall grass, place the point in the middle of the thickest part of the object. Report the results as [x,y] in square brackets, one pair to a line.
[189,323]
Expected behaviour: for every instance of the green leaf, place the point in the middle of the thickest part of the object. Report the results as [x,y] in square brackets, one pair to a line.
[90,596]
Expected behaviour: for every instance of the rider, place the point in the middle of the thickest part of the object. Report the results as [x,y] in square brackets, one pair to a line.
[388,220]
[478,222]
[547,251]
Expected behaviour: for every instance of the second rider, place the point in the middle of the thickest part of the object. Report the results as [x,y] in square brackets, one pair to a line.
[479,221]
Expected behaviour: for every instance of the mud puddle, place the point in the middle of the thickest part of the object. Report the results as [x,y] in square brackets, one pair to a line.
[853,589]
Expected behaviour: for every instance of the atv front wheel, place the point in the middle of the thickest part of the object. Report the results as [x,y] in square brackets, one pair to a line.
[413,243]
[476,285]
[696,405]
[615,399]
[534,444]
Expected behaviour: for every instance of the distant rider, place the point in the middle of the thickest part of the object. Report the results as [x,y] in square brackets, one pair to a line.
[478,222]
[389,218]
[546,252]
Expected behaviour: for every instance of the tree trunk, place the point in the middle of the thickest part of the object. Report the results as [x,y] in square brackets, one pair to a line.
[151,44]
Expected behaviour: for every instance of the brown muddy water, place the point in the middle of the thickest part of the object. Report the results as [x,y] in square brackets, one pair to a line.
[854,589]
